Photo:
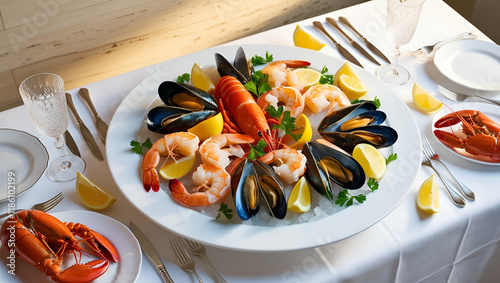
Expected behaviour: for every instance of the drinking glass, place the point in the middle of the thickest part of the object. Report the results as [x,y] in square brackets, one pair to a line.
[402,19]
[43,95]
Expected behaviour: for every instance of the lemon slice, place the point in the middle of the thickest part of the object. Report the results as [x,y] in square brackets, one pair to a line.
[353,87]
[210,127]
[201,80]
[300,197]
[425,101]
[428,196]
[307,77]
[344,70]
[372,161]
[91,195]
[174,169]
[305,40]
[302,127]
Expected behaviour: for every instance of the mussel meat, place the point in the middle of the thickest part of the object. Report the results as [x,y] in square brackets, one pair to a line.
[169,119]
[377,135]
[186,96]
[317,174]
[363,113]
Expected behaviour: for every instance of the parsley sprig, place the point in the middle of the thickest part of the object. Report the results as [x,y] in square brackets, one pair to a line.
[325,79]
[257,150]
[345,198]
[258,60]
[258,85]
[375,100]
[372,184]
[391,157]
[137,146]
[287,122]
[183,78]
[224,210]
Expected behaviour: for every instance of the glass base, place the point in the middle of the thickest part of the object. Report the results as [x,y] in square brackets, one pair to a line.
[393,77]
[64,168]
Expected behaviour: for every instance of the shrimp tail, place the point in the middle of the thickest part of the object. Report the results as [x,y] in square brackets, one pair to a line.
[180,193]
[150,175]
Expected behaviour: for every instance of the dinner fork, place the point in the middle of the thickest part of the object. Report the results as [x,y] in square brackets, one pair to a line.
[198,249]
[43,206]
[461,97]
[430,49]
[455,197]
[184,260]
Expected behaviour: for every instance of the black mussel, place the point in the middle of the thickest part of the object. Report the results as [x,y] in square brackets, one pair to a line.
[227,69]
[241,63]
[377,135]
[186,96]
[334,120]
[316,173]
[271,189]
[169,119]
[245,189]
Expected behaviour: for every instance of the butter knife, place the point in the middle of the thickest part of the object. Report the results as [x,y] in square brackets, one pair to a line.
[87,136]
[356,45]
[102,127]
[71,144]
[341,49]
[149,250]
[370,46]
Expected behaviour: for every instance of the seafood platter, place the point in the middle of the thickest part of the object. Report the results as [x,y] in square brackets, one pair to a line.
[249,167]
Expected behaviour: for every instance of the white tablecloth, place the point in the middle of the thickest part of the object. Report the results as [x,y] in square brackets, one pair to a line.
[456,245]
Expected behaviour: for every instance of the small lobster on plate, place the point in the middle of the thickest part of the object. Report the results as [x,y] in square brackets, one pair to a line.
[482,135]
[41,240]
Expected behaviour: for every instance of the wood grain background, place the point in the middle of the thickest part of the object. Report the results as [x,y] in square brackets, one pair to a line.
[87,41]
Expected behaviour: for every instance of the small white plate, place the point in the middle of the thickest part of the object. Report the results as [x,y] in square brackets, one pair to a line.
[471,63]
[22,157]
[489,110]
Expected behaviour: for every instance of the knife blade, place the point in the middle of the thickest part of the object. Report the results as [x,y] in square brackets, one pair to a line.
[70,142]
[341,49]
[87,136]
[370,46]
[149,250]
[102,127]
[356,45]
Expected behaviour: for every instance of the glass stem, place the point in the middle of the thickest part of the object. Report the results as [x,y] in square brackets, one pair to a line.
[395,55]
[60,144]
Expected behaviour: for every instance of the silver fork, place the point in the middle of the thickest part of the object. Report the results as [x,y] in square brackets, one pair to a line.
[429,151]
[184,260]
[461,97]
[43,206]
[430,49]
[198,249]
[455,197]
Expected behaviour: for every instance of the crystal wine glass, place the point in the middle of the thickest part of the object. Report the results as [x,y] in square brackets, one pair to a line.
[402,19]
[43,96]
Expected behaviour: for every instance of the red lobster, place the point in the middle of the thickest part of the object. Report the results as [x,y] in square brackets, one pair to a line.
[482,133]
[35,235]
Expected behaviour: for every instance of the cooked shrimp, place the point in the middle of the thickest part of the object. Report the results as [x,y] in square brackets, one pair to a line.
[280,73]
[217,149]
[172,145]
[290,97]
[291,163]
[213,185]
[325,96]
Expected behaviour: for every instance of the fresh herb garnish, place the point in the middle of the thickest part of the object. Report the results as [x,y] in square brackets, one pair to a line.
[287,122]
[183,78]
[137,146]
[258,85]
[257,150]
[375,100]
[344,197]
[325,79]
[224,210]
[372,184]
[258,60]
[391,157]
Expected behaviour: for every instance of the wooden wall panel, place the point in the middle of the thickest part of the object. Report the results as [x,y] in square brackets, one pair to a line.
[9,95]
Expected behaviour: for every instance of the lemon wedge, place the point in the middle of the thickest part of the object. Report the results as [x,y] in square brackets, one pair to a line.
[353,87]
[425,101]
[428,196]
[344,70]
[301,38]
[201,80]
[174,169]
[372,161]
[307,77]
[210,127]
[91,195]
[300,197]
[303,128]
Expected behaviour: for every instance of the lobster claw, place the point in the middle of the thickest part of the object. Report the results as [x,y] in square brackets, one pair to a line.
[101,245]
[83,272]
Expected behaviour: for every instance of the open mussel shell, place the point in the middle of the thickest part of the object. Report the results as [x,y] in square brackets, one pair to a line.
[350,116]
[186,96]
[169,119]
[271,189]
[377,135]
[242,65]
[245,189]
[227,69]
[316,173]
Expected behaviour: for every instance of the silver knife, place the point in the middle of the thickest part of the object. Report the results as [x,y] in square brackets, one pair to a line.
[341,49]
[356,45]
[370,46]
[102,127]
[149,250]
[70,142]
[87,136]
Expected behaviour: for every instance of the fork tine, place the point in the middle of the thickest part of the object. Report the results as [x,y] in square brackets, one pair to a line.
[449,94]
[190,243]
[427,146]
[57,198]
[48,206]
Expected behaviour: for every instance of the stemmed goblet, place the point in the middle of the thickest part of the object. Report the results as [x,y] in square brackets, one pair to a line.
[402,19]
[43,96]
